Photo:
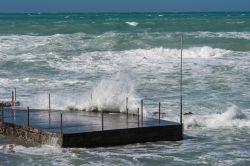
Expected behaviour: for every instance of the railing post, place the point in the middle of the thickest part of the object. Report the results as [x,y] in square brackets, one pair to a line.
[13,115]
[28,116]
[102,121]
[181,78]
[14,104]
[138,117]
[127,110]
[126,102]
[15,96]
[61,124]
[49,112]
[159,113]
[142,112]
[2,115]
[127,117]
[12,98]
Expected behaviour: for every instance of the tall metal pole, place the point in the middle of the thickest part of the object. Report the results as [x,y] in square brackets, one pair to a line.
[13,115]
[127,106]
[159,113]
[127,110]
[142,112]
[49,111]
[181,82]
[15,96]
[12,98]
[2,114]
[28,116]
[126,102]
[61,124]
[102,121]
[138,117]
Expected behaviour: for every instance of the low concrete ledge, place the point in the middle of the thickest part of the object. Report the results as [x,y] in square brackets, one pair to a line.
[29,134]
[96,138]
[88,129]
[123,136]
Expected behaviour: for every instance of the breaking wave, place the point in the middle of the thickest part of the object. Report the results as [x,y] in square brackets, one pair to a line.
[134,24]
[233,117]
[229,35]
[110,95]
[110,60]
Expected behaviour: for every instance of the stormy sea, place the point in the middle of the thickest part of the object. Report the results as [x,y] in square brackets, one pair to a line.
[111,56]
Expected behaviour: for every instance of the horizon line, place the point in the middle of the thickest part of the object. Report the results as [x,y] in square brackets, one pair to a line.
[124,12]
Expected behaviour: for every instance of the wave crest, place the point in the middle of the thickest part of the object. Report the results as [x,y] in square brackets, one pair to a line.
[110,95]
[233,117]
[134,24]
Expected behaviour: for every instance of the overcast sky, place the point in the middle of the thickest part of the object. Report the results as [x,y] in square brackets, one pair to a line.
[27,6]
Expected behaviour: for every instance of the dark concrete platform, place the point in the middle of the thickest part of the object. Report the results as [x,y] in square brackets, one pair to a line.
[85,129]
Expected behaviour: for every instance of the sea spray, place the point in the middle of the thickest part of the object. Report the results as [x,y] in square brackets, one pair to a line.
[132,23]
[110,95]
[232,117]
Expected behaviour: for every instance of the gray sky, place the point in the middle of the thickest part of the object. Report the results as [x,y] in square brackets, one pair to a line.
[26,6]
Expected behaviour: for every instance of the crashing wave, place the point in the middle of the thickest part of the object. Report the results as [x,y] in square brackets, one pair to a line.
[233,117]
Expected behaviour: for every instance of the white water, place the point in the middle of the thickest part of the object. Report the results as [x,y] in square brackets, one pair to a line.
[110,94]
[216,134]
[233,117]
[132,23]
[229,35]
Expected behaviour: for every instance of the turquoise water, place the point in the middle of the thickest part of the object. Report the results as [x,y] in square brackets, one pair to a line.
[136,55]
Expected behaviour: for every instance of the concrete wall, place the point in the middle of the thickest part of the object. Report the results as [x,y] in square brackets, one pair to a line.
[123,136]
[31,135]
[94,139]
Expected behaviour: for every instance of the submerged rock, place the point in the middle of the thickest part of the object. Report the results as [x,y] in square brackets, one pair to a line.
[188,113]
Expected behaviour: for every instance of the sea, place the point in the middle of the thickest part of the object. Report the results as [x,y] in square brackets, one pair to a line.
[111,56]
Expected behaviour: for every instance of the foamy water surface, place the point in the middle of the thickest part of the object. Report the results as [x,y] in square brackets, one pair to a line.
[137,57]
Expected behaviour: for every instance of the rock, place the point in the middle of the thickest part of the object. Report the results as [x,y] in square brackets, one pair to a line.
[188,113]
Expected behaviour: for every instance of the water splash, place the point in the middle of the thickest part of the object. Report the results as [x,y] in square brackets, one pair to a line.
[110,95]
[233,117]
[132,23]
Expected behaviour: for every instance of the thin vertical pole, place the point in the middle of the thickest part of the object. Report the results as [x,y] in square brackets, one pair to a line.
[49,101]
[49,111]
[102,121]
[2,115]
[181,82]
[61,124]
[13,115]
[14,104]
[127,109]
[15,96]
[159,113]
[28,117]
[127,117]
[12,98]
[126,102]
[138,117]
[142,112]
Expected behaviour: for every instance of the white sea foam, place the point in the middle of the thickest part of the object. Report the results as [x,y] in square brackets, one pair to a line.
[112,60]
[132,23]
[233,117]
[229,35]
[111,93]
[235,22]
[7,148]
